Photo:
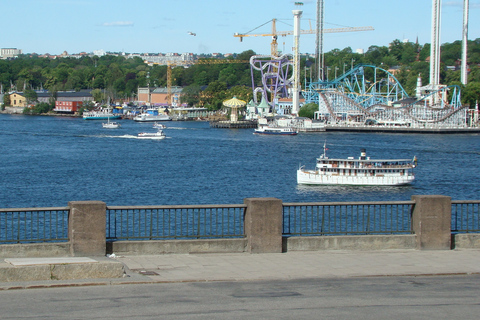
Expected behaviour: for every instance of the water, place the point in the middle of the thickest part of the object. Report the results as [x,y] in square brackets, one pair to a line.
[48,161]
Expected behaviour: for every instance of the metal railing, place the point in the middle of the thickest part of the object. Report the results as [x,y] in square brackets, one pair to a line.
[175,222]
[465,216]
[347,218]
[31,225]
[34,225]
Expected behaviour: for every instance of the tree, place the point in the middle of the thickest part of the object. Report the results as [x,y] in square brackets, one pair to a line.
[214,95]
[308,110]
[98,95]
[191,95]
[471,94]
[6,100]
[31,96]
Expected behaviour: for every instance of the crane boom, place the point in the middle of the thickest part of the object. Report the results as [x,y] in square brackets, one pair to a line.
[308,31]
[274,34]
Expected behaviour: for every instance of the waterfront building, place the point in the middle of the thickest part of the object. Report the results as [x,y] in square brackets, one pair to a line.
[67,106]
[17,99]
[159,96]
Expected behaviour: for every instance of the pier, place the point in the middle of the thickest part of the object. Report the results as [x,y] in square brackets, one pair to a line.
[233,124]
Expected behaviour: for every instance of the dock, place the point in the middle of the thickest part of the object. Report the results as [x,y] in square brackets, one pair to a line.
[233,124]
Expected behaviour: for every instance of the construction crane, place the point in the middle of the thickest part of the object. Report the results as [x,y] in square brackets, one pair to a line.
[274,34]
[173,64]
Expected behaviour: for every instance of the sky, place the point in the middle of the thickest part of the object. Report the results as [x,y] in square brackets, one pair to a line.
[153,26]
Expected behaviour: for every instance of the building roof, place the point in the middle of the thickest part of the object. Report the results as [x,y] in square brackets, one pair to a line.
[67,94]
[165,90]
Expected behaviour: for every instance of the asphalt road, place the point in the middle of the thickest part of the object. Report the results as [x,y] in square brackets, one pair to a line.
[433,297]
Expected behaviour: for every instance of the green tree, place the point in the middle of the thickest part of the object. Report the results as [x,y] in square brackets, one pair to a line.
[308,110]
[31,96]
[471,94]
[6,100]
[191,95]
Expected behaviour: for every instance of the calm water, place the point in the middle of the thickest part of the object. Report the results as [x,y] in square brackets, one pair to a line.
[48,161]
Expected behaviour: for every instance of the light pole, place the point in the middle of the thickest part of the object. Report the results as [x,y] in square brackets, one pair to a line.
[336,68]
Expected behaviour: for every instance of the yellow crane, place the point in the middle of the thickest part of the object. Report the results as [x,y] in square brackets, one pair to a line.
[274,34]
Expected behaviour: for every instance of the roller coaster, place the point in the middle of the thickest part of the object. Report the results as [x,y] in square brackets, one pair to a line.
[370,95]
[364,95]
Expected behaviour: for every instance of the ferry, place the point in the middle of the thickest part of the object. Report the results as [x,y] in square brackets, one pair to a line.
[104,114]
[149,117]
[276,130]
[361,172]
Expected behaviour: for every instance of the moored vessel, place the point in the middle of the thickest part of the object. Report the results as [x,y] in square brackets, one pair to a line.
[151,115]
[276,130]
[362,171]
[102,114]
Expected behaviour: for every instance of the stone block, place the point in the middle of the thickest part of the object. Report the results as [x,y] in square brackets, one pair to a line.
[263,225]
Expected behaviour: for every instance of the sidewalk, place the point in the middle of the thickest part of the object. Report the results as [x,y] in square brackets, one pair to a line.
[275,266]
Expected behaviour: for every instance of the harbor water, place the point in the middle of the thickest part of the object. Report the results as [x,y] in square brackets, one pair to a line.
[49,161]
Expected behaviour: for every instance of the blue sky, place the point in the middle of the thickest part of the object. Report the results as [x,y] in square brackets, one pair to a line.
[54,26]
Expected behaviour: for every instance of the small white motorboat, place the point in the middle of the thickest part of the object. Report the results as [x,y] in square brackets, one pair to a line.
[152,135]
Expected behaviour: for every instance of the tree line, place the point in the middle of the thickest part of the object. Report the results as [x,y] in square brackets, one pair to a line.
[208,84]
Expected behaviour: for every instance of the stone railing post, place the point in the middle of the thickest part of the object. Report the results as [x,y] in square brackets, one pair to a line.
[87,228]
[263,225]
[431,222]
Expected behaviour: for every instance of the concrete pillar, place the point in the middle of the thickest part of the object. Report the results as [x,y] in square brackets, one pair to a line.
[87,228]
[263,225]
[431,222]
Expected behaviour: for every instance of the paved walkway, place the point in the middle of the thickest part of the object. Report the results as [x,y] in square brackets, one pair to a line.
[294,265]
[279,266]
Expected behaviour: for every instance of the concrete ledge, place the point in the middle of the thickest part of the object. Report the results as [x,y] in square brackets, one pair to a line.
[466,241]
[355,243]
[177,246]
[60,249]
[55,269]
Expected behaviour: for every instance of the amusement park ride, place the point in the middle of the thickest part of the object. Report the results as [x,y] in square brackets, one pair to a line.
[365,95]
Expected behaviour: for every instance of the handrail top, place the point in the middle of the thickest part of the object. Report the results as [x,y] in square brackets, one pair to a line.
[189,206]
[348,203]
[34,209]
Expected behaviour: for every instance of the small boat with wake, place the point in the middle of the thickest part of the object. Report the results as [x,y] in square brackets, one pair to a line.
[159,135]
[159,125]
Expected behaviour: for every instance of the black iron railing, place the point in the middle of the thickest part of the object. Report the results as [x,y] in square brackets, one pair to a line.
[175,222]
[465,216]
[30,225]
[347,218]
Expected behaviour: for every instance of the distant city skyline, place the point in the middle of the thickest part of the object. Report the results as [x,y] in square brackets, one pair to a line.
[152,26]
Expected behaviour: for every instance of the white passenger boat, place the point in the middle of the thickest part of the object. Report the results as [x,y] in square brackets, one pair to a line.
[103,114]
[111,125]
[152,135]
[276,130]
[362,171]
[148,117]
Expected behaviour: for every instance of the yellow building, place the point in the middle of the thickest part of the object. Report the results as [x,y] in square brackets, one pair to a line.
[17,100]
